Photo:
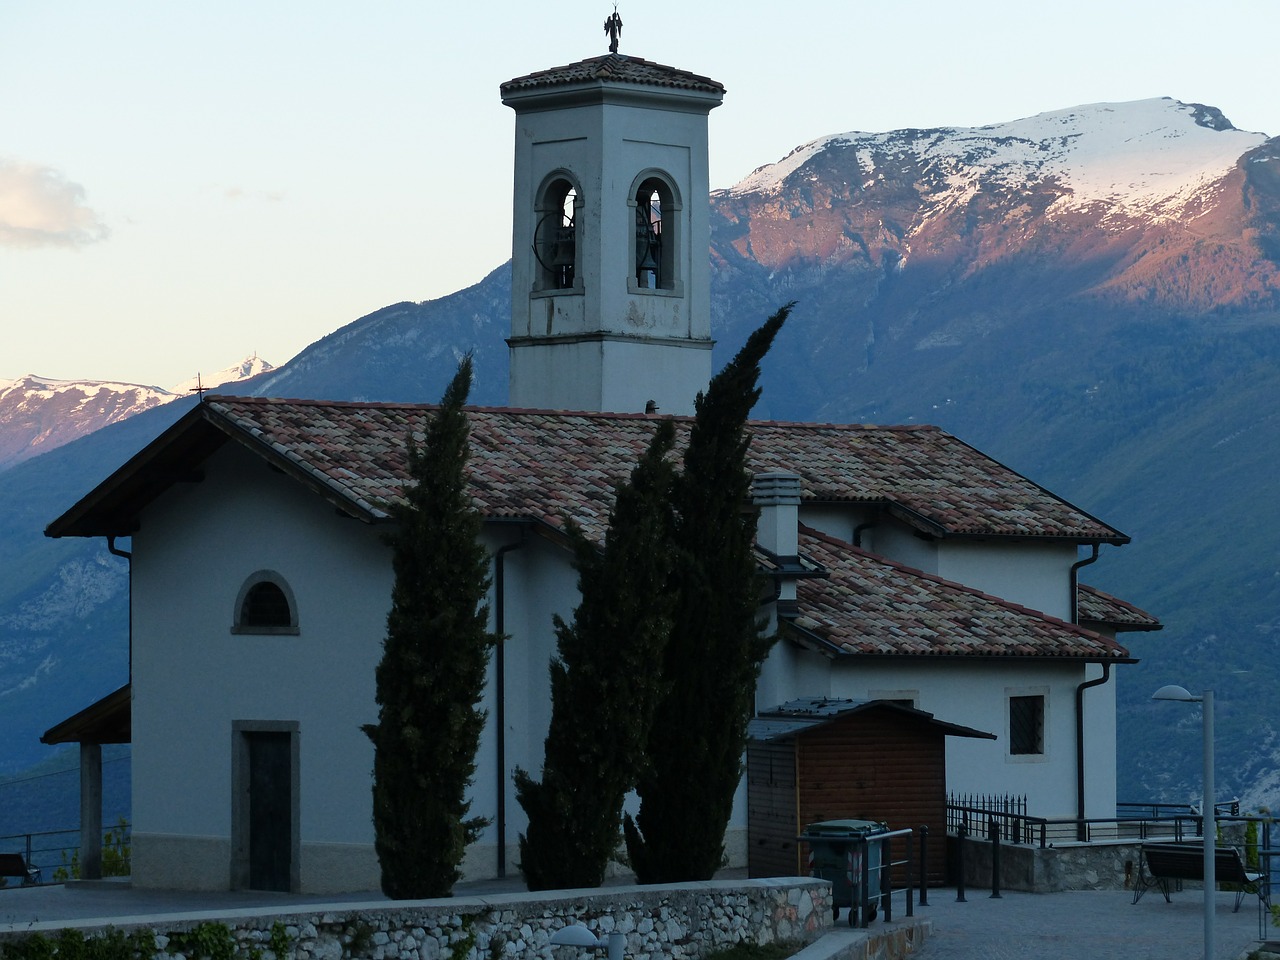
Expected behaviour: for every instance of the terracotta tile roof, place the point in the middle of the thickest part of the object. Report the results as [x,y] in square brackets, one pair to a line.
[614,68]
[1095,606]
[870,606]
[541,465]
[547,465]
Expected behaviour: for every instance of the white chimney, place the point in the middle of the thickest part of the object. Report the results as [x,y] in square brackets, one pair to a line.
[778,497]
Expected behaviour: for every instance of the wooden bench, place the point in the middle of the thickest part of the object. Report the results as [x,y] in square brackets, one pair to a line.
[13,865]
[1164,863]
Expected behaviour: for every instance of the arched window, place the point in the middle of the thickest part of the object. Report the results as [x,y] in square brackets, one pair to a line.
[555,235]
[265,605]
[654,236]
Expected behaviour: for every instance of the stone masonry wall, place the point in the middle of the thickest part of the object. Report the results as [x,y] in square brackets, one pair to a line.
[1102,865]
[678,922]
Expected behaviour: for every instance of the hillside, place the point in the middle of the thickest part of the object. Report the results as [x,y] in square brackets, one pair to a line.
[1089,295]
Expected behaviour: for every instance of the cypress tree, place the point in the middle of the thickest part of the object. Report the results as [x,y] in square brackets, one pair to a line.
[717,643]
[430,680]
[603,683]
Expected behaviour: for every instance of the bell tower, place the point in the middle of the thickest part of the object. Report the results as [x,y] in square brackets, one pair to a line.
[610,285]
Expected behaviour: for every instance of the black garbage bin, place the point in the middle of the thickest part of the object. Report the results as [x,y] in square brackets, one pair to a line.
[835,855]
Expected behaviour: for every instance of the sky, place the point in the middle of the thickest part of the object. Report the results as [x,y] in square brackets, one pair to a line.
[183,183]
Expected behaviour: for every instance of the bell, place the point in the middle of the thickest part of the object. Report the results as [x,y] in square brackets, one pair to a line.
[648,263]
[562,247]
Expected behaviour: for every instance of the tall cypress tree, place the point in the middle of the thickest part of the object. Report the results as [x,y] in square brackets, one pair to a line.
[431,678]
[603,683]
[717,644]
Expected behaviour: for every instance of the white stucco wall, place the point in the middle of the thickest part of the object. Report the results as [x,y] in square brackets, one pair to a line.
[1035,574]
[975,694]
[1031,573]
[193,677]
[539,582]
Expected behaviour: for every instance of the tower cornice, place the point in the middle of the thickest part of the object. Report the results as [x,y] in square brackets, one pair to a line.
[611,68]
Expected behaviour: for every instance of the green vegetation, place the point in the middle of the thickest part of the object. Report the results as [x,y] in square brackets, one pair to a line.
[603,682]
[779,950]
[112,944]
[205,941]
[461,948]
[431,677]
[115,856]
[716,647]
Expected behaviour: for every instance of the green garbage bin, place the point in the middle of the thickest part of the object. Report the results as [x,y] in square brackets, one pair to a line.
[835,855]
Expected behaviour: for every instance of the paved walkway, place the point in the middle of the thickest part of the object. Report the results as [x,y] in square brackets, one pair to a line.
[1078,925]
[1084,925]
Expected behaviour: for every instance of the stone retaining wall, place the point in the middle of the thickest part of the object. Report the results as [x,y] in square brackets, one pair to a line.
[1094,866]
[660,921]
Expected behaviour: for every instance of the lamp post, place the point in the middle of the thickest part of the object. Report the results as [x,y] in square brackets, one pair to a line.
[1174,692]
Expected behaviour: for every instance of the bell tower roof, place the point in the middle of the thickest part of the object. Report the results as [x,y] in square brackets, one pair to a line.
[612,68]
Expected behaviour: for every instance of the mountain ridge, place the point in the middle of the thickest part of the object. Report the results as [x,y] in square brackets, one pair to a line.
[38,414]
[1130,368]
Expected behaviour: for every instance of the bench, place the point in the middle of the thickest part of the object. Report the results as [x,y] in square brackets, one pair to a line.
[1163,863]
[13,865]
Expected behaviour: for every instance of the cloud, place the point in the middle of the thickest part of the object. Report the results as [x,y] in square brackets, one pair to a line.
[39,207]
[240,193]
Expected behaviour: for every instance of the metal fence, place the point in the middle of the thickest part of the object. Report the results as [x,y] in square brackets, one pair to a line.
[56,854]
[980,815]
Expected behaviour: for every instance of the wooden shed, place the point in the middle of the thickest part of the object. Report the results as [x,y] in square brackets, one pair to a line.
[823,759]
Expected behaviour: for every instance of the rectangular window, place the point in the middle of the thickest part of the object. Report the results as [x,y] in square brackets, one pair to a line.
[1026,725]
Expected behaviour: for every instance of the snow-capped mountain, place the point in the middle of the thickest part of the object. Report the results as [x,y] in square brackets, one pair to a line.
[1159,159]
[38,414]
[1151,201]
[247,368]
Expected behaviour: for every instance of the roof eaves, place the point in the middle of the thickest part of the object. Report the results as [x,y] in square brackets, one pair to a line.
[292,463]
[136,466]
[1117,652]
[1118,539]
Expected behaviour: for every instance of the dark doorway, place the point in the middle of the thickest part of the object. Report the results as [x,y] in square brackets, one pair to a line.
[270,810]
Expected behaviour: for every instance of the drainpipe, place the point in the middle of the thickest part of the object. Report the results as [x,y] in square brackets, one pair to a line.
[1075,583]
[500,683]
[1106,674]
[1097,681]
[116,551]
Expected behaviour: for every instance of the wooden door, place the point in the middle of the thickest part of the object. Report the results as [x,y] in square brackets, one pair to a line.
[270,810]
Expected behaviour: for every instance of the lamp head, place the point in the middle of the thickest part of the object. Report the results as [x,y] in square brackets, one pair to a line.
[1171,691]
[574,935]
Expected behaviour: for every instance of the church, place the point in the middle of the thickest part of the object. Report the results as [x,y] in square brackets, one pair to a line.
[905,566]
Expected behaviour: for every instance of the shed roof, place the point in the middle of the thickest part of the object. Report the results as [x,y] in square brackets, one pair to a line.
[797,717]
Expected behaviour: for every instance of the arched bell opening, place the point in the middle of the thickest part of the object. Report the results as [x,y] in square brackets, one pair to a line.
[555,235]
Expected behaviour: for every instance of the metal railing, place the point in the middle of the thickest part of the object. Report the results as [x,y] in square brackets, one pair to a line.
[57,854]
[1158,822]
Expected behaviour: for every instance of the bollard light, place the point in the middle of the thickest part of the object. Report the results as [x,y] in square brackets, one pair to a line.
[577,935]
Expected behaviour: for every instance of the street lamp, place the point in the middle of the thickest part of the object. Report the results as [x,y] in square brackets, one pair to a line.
[577,935]
[1174,692]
